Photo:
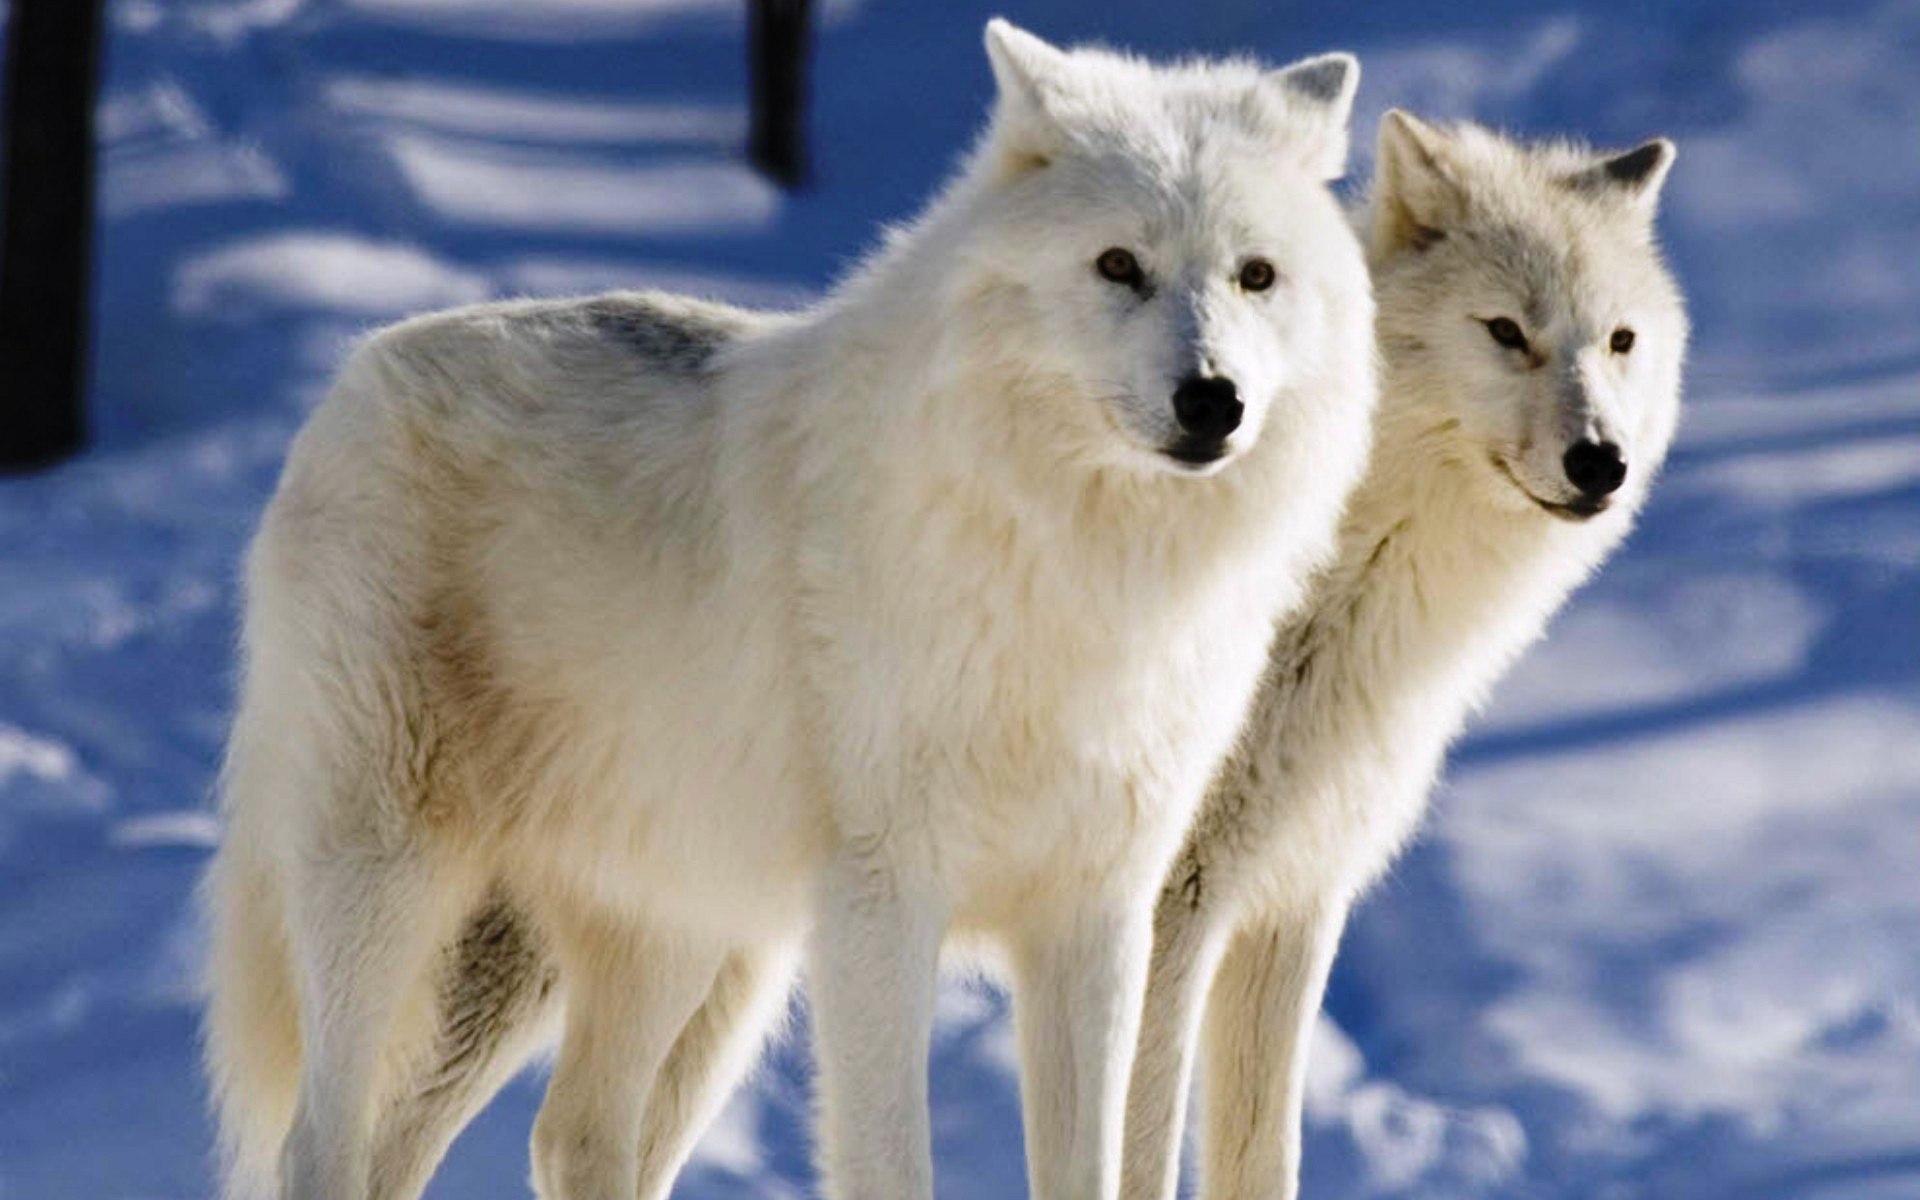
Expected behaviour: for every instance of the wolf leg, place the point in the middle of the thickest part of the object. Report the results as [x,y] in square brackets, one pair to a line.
[630,992]
[1189,934]
[1259,1016]
[495,999]
[363,925]
[718,1047]
[1077,1008]
[874,969]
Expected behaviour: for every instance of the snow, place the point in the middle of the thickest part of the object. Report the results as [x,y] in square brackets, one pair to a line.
[1661,936]
[548,190]
[557,20]
[503,114]
[328,272]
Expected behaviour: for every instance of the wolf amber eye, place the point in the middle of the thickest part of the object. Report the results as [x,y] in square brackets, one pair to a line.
[1257,275]
[1507,333]
[1621,341]
[1118,266]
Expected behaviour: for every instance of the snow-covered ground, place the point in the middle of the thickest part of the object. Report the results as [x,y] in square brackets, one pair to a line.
[1662,938]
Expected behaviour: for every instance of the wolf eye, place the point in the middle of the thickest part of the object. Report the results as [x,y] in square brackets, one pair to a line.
[1507,333]
[1621,341]
[1119,266]
[1257,275]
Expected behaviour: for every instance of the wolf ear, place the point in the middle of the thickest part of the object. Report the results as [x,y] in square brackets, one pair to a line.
[1635,176]
[1416,188]
[1029,74]
[1321,90]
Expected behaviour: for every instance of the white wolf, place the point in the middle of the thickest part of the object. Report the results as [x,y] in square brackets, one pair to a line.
[667,628]
[1532,344]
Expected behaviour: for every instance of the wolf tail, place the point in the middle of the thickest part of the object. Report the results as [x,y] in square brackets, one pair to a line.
[252,1031]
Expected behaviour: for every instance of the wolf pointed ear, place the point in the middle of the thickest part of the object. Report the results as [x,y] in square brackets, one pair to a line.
[1029,74]
[1635,176]
[1417,193]
[1321,90]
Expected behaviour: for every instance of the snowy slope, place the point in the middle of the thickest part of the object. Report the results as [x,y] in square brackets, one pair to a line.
[1663,935]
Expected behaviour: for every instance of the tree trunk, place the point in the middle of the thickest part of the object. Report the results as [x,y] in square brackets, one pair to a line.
[45,268]
[778,33]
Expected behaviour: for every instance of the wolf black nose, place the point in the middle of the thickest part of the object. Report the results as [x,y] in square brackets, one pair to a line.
[1208,407]
[1596,468]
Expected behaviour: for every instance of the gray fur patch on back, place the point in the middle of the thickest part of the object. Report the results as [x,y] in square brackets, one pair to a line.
[683,342]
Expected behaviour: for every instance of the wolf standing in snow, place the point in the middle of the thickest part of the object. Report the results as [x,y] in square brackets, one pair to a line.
[639,631]
[1532,344]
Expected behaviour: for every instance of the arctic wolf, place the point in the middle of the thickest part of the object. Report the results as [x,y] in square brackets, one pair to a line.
[596,648]
[1532,344]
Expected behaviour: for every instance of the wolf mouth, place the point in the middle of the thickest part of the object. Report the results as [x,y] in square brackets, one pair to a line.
[1579,510]
[1567,510]
[1196,454]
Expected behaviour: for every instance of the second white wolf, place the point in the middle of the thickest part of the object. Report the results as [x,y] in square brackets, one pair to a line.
[1532,343]
[653,629]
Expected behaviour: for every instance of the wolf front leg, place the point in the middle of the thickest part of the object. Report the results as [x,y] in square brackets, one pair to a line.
[1077,1008]
[629,994]
[872,975]
[1260,1013]
[1189,933]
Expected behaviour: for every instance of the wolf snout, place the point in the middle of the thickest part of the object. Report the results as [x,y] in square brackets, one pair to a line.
[1596,468]
[1208,409]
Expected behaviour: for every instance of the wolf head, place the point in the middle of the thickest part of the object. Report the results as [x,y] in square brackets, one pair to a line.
[1524,307]
[1162,239]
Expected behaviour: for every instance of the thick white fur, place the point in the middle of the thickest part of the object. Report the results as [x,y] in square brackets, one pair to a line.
[1448,566]
[683,626]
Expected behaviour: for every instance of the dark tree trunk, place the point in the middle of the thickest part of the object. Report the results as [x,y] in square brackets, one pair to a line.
[45,269]
[778,33]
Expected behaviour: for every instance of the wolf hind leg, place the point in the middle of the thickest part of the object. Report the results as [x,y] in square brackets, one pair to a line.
[630,992]
[496,1000]
[363,925]
[716,1049]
